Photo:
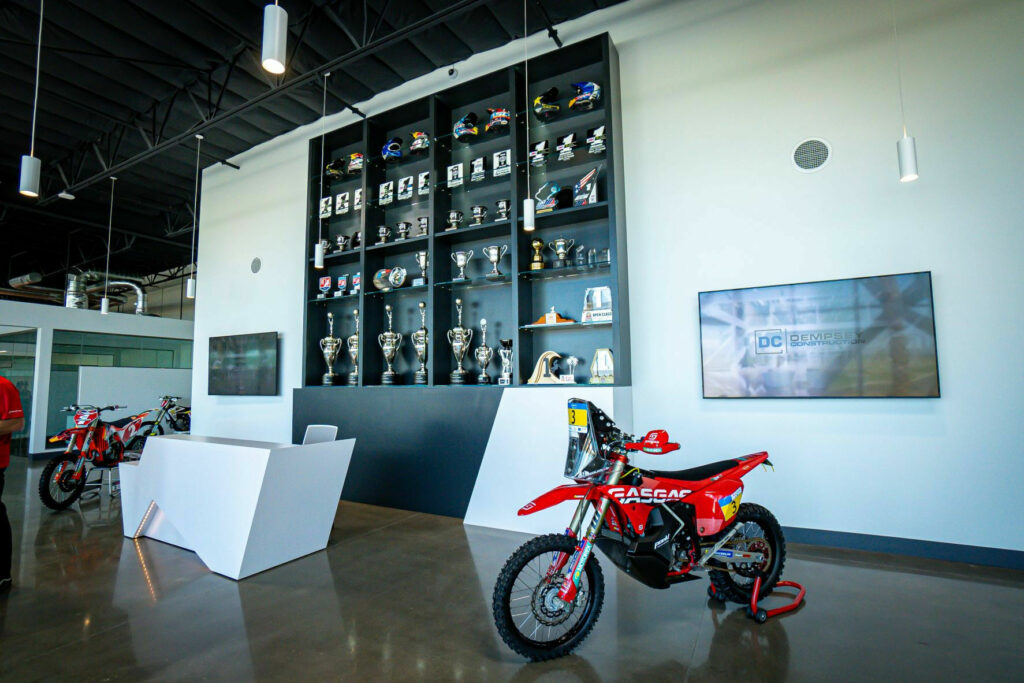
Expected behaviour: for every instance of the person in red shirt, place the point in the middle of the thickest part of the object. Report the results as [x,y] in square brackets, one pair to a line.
[12,419]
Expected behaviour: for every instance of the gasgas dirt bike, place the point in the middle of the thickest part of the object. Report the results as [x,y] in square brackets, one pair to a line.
[91,440]
[659,527]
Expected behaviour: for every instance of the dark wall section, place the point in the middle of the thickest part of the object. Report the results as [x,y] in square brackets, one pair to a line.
[417,448]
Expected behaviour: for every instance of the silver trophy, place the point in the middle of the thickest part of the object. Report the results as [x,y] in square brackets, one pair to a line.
[461,259]
[383,232]
[484,354]
[569,377]
[390,342]
[479,214]
[424,224]
[561,247]
[353,352]
[422,260]
[420,341]
[454,218]
[329,346]
[343,242]
[403,230]
[459,337]
[494,254]
[505,352]
[504,206]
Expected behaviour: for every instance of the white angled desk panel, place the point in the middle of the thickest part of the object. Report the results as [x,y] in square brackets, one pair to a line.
[242,506]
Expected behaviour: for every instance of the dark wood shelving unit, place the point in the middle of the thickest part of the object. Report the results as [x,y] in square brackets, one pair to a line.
[512,303]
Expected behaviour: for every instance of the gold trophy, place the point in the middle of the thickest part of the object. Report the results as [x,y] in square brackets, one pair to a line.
[353,352]
[420,341]
[390,342]
[537,262]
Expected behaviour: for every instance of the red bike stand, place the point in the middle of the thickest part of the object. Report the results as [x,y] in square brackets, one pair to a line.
[760,615]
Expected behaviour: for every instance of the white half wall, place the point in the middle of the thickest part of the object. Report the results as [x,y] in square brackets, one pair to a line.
[715,96]
[138,388]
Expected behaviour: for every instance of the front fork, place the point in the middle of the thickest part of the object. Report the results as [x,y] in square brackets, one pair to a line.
[571,583]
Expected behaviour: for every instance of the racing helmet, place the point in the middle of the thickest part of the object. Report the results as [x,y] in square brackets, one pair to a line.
[420,142]
[500,118]
[588,94]
[465,128]
[392,149]
[544,104]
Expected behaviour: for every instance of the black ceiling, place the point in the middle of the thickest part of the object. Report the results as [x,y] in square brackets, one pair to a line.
[119,78]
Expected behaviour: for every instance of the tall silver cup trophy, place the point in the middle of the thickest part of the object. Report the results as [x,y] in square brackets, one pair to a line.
[505,352]
[461,259]
[390,342]
[494,254]
[329,346]
[484,354]
[459,337]
[353,352]
[420,341]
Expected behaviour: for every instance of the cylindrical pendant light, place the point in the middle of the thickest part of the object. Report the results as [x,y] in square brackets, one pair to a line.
[275,38]
[30,170]
[529,215]
[906,151]
[105,301]
[318,250]
[906,147]
[529,208]
[190,284]
[31,166]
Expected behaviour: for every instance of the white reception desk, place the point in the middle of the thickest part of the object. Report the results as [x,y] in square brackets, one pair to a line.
[242,506]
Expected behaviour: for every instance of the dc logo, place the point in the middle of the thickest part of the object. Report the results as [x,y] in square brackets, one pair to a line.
[769,341]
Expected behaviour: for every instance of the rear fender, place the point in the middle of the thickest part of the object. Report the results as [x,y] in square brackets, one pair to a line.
[556,496]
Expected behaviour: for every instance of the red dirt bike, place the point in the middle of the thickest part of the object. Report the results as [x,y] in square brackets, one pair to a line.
[91,440]
[659,527]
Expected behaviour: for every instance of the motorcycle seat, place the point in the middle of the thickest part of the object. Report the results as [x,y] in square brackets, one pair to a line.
[117,424]
[697,473]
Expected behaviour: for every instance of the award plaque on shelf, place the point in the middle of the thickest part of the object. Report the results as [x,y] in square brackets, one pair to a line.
[478,169]
[357,200]
[539,153]
[387,192]
[342,285]
[565,146]
[455,175]
[584,192]
[405,187]
[424,184]
[341,203]
[543,372]
[325,286]
[502,163]
[595,138]
[602,368]
[597,305]
[326,207]
[357,282]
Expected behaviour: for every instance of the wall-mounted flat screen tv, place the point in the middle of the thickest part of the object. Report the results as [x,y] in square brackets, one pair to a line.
[244,365]
[857,338]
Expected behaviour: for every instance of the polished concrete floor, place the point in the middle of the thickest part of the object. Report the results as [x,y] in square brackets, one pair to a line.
[406,596]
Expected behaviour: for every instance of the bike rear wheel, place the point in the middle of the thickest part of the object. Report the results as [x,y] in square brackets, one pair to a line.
[759,531]
[57,489]
[527,613]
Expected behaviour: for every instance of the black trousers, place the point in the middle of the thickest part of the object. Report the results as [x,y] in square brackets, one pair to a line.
[5,534]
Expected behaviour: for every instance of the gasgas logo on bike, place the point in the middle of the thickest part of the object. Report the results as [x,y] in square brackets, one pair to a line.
[633,494]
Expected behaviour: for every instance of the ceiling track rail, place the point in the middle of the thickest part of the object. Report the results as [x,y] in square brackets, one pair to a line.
[311,76]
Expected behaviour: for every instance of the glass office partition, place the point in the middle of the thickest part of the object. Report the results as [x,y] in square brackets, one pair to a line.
[72,350]
[18,364]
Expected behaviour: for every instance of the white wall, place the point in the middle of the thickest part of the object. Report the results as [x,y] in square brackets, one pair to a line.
[715,96]
[137,388]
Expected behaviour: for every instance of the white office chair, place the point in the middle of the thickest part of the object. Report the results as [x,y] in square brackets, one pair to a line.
[320,434]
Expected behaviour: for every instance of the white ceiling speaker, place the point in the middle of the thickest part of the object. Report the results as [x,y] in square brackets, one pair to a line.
[811,154]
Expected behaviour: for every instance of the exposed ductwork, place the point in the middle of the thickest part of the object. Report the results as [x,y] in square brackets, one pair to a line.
[79,286]
[27,287]
[114,281]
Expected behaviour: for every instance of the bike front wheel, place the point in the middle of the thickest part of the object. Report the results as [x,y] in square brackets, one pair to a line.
[529,616]
[57,487]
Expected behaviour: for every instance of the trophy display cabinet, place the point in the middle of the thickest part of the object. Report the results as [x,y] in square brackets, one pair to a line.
[513,303]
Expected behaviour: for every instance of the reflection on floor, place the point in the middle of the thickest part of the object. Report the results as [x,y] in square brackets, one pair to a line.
[406,596]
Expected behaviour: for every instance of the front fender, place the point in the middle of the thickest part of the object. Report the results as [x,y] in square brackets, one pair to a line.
[554,497]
